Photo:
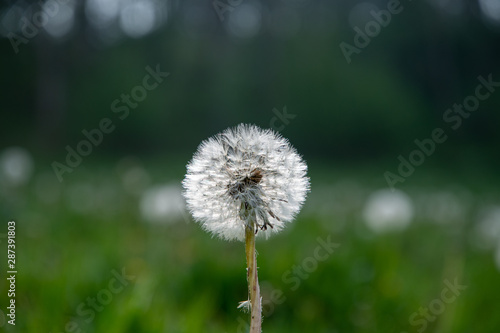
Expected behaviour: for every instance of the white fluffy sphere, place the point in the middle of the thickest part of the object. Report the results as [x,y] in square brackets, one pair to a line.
[245,171]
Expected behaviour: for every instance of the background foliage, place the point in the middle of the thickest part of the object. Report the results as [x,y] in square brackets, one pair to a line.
[120,207]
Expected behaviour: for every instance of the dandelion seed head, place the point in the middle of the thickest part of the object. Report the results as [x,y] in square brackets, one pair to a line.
[241,173]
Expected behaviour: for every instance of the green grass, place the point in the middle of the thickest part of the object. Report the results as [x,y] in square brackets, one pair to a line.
[187,281]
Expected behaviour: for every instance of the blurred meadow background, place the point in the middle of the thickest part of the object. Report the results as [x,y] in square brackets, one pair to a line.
[105,101]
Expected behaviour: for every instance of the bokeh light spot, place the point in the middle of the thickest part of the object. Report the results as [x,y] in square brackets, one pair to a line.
[102,12]
[61,23]
[138,18]
[16,165]
[491,10]
[387,210]
[245,21]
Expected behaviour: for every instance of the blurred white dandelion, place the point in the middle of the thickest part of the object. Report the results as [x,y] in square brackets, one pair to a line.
[162,204]
[488,227]
[387,210]
[245,170]
[16,166]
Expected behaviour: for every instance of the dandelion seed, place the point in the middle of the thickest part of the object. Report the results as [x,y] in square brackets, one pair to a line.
[245,305]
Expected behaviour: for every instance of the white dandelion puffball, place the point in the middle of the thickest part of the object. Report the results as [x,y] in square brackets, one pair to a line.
[245,174]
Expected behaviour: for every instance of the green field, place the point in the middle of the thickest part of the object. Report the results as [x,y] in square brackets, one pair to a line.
[90,259]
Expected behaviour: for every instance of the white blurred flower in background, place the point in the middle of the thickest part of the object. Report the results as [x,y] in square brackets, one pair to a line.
[387,210]
[16,166]
[488,227]
[163,204]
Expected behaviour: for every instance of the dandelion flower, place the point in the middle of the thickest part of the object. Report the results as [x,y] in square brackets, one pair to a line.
[242,183]
[241,172]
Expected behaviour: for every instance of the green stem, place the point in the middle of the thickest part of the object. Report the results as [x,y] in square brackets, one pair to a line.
[253,280]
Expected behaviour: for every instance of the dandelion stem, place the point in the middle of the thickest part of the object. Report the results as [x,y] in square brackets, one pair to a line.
[253,280]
